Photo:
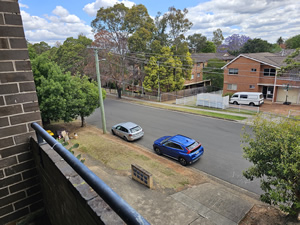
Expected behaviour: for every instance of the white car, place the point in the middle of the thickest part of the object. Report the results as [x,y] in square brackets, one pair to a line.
[128,131]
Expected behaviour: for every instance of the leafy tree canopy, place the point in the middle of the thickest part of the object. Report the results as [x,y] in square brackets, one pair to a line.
[212,71]
[293,42]
[218,37]
[160,35]
[280,41]
[209,47]
[274,149]
[256,45]
[86,97]
[292,64]
[62,96]
[73,54]
[196,42]
[178,24]
[164,72]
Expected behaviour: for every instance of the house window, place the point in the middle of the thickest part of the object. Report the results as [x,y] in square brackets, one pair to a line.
[231,87]
[233,71]
[253,70]
[198,74]
[252,86]
[198,64]
[269,72]
[192,77]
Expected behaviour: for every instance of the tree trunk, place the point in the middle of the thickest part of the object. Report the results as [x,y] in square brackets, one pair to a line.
[82,121]
[119,90]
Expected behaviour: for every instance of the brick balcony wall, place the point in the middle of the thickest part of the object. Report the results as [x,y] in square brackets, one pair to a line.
[69,200]
[20,192]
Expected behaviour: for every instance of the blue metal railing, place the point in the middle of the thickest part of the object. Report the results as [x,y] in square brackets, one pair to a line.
[119,205]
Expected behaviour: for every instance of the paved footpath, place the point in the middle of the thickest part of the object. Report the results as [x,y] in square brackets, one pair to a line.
[213,202]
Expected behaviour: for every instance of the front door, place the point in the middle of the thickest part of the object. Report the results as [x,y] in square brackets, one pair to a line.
[268,92]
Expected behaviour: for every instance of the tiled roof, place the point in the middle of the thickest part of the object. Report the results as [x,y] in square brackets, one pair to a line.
[204,57]
[272,59]
[267,58]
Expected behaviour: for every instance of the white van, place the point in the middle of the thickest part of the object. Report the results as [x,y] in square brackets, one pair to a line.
[247,98]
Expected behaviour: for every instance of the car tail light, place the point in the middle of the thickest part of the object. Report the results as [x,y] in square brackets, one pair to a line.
[130,135]
[188,151]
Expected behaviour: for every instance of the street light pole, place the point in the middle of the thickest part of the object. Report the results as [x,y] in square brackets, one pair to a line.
[100,92]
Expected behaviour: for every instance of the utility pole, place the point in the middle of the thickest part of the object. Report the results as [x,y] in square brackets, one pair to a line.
[100,91]
[158,92]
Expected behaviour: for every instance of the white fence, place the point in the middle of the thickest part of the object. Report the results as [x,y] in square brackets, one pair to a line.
[192,100]
[212,100]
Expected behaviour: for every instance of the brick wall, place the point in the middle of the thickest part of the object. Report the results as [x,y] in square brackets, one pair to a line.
[19,186]
[245,76]
[69,200]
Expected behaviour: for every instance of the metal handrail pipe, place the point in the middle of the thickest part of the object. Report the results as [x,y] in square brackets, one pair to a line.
[119,205]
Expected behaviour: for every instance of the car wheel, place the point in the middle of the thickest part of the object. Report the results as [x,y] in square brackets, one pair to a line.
[112,131]
[157,150]
[125,138]
[251,104]
[182,161]
[235,103]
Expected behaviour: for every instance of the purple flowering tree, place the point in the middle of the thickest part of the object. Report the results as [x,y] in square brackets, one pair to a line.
[233,44]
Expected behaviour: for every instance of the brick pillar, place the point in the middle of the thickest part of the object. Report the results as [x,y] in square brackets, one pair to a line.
[19,186]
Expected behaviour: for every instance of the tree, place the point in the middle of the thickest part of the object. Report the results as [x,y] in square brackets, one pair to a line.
[214,73]
[160,35]
[209,47]
[141,26]
[292,65]
[164,72]
[293,42]
[218,37]
[62,96]
[256,45]
[274,149]
[233,44]
[86,98]
[52,87]
[73,54]
[196,42]
[178,24]
[41,47]
[280,41]
[128,28]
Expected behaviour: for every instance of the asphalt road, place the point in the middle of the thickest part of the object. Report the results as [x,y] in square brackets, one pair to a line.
[220,138]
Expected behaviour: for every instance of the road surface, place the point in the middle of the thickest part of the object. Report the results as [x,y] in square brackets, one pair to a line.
[220,138]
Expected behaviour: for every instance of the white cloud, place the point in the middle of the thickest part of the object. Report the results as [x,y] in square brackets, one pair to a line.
[53,28]
[265,19]
[23,6]
[92,8]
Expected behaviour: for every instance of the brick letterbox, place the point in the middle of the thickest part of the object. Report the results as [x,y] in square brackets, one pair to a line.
[141,175]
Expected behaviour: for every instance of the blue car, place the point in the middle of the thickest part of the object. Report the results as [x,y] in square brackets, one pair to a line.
[179,147]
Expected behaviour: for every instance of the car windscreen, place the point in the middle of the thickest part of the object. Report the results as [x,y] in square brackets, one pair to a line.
[192,146]
[135,129]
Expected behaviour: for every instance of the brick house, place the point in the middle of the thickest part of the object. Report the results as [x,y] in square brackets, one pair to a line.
[200,61]
[257,72]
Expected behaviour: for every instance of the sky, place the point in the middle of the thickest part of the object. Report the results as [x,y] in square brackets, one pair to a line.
[54,21]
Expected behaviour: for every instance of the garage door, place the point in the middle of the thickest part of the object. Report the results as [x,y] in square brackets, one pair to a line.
[293,95]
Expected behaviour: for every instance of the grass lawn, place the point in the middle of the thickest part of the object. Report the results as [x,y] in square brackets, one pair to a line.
[194,111]
[118,155]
